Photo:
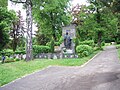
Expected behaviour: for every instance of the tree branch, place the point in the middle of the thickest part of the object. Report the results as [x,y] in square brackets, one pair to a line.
[18,1]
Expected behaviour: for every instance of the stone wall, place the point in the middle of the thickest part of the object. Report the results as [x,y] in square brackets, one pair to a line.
[47,56]
[55,56]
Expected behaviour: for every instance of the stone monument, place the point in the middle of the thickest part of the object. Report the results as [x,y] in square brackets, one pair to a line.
[68,33]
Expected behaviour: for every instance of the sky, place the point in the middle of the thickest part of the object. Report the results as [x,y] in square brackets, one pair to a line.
[74,2]
[19,6]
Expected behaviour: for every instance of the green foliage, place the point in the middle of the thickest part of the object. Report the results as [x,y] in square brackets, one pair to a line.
[17,31]
[118,46]
[98,23]
[17,59]
[6,18]
[59,42]
[20,52]
[88,42]
[4,3]
[8,52]
[76,41]
[50,16]
[40,49]
[42,39]
[0,58]
[9,60]
[52,45]
[103,43]
[84,50]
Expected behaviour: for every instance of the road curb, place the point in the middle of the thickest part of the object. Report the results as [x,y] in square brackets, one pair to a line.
[24,76]
[90,59]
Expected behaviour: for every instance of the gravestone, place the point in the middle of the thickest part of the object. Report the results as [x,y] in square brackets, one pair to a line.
[70,32]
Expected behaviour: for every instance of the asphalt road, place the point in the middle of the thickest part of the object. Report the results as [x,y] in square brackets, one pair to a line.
[102,73]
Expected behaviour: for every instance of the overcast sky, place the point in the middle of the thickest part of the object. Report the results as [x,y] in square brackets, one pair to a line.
[74,2]
[19,6]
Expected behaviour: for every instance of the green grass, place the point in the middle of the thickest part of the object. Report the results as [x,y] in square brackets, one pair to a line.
[14,70]
[119,53]
[118,47]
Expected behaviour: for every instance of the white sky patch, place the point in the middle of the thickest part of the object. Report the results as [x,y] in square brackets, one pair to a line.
[81,2]
[16,8]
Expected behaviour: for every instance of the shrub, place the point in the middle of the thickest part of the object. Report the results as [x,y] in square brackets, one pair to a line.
[52,45]
[20,52]
[76,41]
[17,59]
[84,50]
[0,58]
[88,42]
[40,49]
[8,52]
[118,46]
[8,60]
[103,43]
[59,42]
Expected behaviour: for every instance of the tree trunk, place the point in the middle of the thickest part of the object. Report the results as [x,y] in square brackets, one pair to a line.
[99,32]
[29,55]
[99,39]
[53,26]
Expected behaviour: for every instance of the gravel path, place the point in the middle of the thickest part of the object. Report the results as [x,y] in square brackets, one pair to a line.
[102,73]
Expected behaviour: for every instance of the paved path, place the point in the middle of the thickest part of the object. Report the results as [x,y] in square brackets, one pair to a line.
[102,73]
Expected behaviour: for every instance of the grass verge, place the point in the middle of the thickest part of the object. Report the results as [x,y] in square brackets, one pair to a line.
[14,70]
[118,47]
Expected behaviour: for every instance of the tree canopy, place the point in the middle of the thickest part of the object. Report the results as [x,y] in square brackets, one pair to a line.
[51,16]
[6,18]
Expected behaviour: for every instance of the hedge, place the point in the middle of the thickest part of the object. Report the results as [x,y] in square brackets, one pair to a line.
[88,42]
[41,49]
[84,50]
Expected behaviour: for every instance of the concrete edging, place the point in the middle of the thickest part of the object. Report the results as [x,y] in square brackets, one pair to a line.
[90,59]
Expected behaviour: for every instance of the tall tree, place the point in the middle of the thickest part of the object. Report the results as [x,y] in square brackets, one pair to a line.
[114,6]
[97,25]
[6,18]
[28,5]
[17,30]
[50,16]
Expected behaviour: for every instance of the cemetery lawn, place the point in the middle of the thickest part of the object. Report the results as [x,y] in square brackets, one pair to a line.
[14,70]
[118,47]
[119,53]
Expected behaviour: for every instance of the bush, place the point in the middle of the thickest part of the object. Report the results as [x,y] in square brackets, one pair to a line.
[8,60]
[20,52]
[17,59]
[103,43]
[76,41]
[84,50]
[40,49]
[88,42]
[118,42]
[52,43]
[8,52]
[118,46]
[59,42]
